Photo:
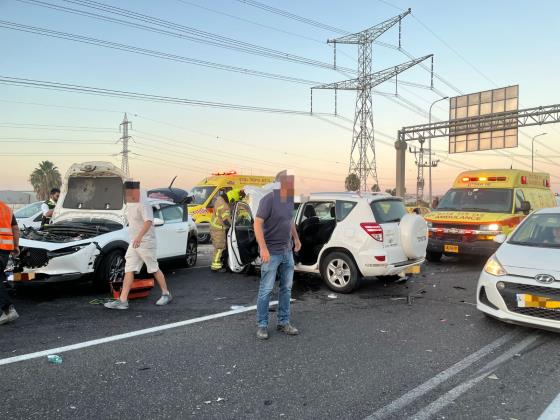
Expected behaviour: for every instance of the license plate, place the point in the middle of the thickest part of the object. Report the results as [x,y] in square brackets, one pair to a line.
[531,301]
[24,276]
[451,248]
[415,269]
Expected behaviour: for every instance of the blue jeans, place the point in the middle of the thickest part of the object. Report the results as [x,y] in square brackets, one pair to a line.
[282,264]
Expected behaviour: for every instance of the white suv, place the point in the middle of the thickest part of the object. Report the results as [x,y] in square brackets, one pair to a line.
[89,233]
[344,236]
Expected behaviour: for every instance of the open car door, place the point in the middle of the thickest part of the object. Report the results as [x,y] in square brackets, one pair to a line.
[241,240]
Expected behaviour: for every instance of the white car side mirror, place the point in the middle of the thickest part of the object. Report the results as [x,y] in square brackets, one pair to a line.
[501,238]
[158,222]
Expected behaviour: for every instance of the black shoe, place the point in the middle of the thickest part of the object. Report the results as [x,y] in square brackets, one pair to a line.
[287,329]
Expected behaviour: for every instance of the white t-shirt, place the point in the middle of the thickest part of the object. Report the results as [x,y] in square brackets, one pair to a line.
[137,214]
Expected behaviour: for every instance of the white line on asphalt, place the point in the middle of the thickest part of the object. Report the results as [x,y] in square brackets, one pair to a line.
[429,411]
[441,377]
[124,336]
[552,412]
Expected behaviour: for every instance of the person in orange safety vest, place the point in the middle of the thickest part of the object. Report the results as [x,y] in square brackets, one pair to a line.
[9,245]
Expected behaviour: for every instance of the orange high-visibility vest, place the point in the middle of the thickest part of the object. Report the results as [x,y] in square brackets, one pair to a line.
[6,233]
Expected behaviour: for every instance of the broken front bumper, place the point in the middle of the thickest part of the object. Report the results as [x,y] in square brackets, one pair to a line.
[65,264]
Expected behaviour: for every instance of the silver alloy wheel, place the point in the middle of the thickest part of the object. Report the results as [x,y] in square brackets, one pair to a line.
[338,272]
[116,270]
[192,250]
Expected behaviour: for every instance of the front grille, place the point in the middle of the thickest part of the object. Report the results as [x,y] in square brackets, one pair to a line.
[553,314]
[509,294]
[455,226]
[34,257]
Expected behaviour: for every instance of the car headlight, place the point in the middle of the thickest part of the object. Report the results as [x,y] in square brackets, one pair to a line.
[66,251]
[493,227]
[494,267]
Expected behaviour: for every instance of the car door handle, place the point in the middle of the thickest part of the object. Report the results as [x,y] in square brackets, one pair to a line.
[181,230]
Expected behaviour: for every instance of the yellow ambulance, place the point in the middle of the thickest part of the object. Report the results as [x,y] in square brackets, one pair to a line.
[482,204]
[202,204]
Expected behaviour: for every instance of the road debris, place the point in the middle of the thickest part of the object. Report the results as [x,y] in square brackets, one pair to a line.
[332,296]
[493,376]
[54,359]
[459,287]
[120,363]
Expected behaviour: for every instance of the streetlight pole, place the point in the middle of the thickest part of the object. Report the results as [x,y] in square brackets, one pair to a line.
[533,151]
[430,147]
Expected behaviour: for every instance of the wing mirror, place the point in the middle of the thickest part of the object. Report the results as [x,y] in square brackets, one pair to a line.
[525,207]
[158,222]
[500,239]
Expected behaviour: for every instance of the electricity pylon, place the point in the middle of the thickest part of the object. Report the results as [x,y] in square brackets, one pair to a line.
[362,153]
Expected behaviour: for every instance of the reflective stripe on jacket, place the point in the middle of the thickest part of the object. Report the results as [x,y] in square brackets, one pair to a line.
[221,214]
[6,233]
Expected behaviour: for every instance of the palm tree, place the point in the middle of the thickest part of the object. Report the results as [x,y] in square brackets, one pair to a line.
[45,177]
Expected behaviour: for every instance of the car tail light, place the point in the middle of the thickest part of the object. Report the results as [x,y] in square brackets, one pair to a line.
[524,179]
[547,183]
[380,258]
[374,230]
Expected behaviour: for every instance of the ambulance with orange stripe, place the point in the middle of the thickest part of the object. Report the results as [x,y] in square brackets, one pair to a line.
[482,204]
[204,193]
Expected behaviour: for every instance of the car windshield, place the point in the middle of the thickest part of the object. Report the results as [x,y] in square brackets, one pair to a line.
[28,211]
[492,200]
[99,193]
[542,230]
[200,195]
[388,211]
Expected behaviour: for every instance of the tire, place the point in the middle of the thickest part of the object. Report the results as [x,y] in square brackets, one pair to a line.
[110,269]
[203,238]
[191,253]
[339,272]
[433,256]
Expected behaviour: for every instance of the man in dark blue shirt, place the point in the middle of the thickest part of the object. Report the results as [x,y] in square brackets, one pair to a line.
[275,229]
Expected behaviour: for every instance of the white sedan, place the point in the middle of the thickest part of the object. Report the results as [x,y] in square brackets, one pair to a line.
[520,283]
[29,216]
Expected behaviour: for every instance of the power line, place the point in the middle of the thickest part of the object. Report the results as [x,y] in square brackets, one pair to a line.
[179,31]
[56,127]
[146,52]
[293,16]
[40,84]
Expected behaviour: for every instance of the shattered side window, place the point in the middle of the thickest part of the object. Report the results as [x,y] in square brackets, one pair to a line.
[103,193]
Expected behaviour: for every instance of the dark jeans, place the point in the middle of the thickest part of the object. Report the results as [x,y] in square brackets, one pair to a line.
[5,301]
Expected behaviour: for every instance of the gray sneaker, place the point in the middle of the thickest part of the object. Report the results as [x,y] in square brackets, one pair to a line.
[164,299]
[116,304]
[287,329]
[262,333]
[12,314]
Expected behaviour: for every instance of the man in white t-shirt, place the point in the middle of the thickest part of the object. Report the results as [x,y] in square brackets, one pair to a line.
[142,248]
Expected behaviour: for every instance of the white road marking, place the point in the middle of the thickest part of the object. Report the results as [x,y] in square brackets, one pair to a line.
[124,336]
[429,411]
[552,412]
[441,377]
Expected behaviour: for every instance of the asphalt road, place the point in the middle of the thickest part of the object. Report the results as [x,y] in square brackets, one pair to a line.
[370,354]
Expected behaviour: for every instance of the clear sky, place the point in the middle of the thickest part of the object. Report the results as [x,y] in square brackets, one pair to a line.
[478,45]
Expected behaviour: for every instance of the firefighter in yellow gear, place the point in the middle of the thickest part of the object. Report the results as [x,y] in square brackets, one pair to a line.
[219,225]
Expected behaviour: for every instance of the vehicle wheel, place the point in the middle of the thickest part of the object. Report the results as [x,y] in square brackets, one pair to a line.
[192,253]
[433,256]
[110,269]
[203,238]
[339,272]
